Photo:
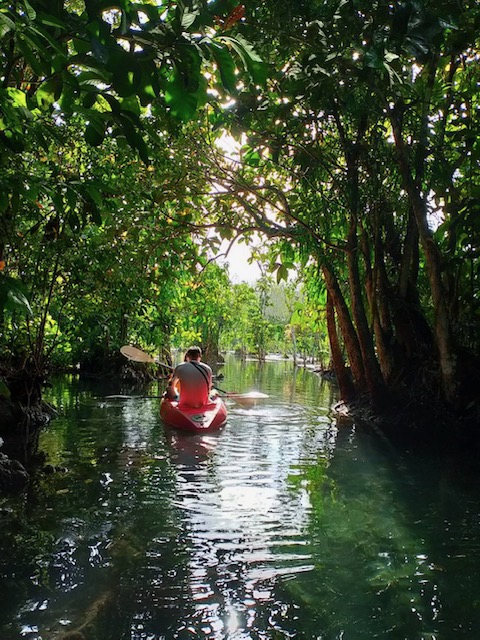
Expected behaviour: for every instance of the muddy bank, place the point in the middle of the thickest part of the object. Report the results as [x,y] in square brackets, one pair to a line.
[20,428]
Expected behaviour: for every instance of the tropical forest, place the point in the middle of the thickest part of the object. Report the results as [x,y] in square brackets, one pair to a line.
[335,142]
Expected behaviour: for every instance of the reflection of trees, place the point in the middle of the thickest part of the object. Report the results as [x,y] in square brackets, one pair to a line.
[376,569]
[160,532]
[281,376]
[78,539]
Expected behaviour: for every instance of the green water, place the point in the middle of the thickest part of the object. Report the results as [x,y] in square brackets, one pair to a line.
[281,525]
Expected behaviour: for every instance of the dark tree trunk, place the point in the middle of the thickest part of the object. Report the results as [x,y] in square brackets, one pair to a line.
[349,335]
[347,389]
[373,375]
[443,332]
[378,302]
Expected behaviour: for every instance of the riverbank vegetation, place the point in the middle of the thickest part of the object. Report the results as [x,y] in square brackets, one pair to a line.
[140,140]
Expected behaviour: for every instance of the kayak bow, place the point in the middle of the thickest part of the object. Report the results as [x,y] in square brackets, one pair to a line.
[206,418]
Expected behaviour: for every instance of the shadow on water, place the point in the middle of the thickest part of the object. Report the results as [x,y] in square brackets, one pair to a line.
[279,525]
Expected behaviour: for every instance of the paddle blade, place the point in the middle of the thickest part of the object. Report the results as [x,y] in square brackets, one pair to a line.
[247,400]
[253,395]
[137,355]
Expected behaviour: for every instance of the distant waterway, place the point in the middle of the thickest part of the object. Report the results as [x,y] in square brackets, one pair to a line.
[281,525]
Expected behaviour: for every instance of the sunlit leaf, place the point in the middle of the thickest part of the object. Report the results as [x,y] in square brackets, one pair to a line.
[251,60]
[48,92]
[13,295]
[189,17]
[282,273]
[6,25]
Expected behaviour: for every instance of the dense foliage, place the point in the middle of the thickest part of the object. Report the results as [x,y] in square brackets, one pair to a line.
[138,137]
[98,236]
[365,148]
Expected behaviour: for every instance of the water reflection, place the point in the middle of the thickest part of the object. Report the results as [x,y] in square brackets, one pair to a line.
[280,525]
[190,450]
[236,524]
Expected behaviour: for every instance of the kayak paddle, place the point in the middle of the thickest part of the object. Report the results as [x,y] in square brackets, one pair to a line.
[137,355]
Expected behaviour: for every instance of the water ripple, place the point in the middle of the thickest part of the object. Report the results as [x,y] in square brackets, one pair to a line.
[280,525]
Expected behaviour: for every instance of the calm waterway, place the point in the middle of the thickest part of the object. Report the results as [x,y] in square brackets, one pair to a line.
[282,525]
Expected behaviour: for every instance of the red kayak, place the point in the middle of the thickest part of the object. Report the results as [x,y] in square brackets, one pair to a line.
[210,416]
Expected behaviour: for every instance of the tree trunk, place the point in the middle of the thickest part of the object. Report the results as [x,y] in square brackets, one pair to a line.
[443,332]
[123,325]
[294,345]
[347,329]
[373,375]
[411,333]
[351,149]
[347,389]
[410,257]
[378,302]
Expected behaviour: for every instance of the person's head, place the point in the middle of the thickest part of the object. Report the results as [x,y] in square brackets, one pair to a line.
[194,353]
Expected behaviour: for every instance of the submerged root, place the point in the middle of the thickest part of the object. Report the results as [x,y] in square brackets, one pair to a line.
[95,621]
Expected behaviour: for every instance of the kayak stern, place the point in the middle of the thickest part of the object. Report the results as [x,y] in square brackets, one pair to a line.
[206,418]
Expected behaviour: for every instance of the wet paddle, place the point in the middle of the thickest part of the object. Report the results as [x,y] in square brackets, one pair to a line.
[137,355]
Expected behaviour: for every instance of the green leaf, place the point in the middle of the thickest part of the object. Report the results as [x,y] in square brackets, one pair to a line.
[147,93]
[226,67]
[390,57]
[94,194]
[183,104]
[374,58]
[188,65]
[150,11]
[130,104]
[90,66]
[144,81]
[51,21]
[123,81]
[4,391]
[48,92]
[17,97]
[80,45]
[95,131]
[282,273]
[51,41]
[225,233]
[252,157]
[13,295]
[133,137]
[252,62]
[113,103]
[39,66]
[29,10]
[100,51]
[6,25]
[189,17]
[71,196]
[95,215]
[89,99]
[71,90]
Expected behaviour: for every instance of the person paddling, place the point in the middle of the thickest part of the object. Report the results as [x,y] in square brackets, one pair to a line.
[195,378]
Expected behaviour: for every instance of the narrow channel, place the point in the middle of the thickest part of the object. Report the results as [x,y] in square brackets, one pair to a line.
[284,524]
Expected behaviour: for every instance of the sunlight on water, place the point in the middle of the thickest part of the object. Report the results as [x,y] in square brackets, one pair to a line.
[281,525]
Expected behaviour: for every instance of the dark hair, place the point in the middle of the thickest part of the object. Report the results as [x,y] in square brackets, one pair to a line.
[194,353]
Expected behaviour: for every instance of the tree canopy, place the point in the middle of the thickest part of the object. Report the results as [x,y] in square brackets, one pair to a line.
[365,149]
